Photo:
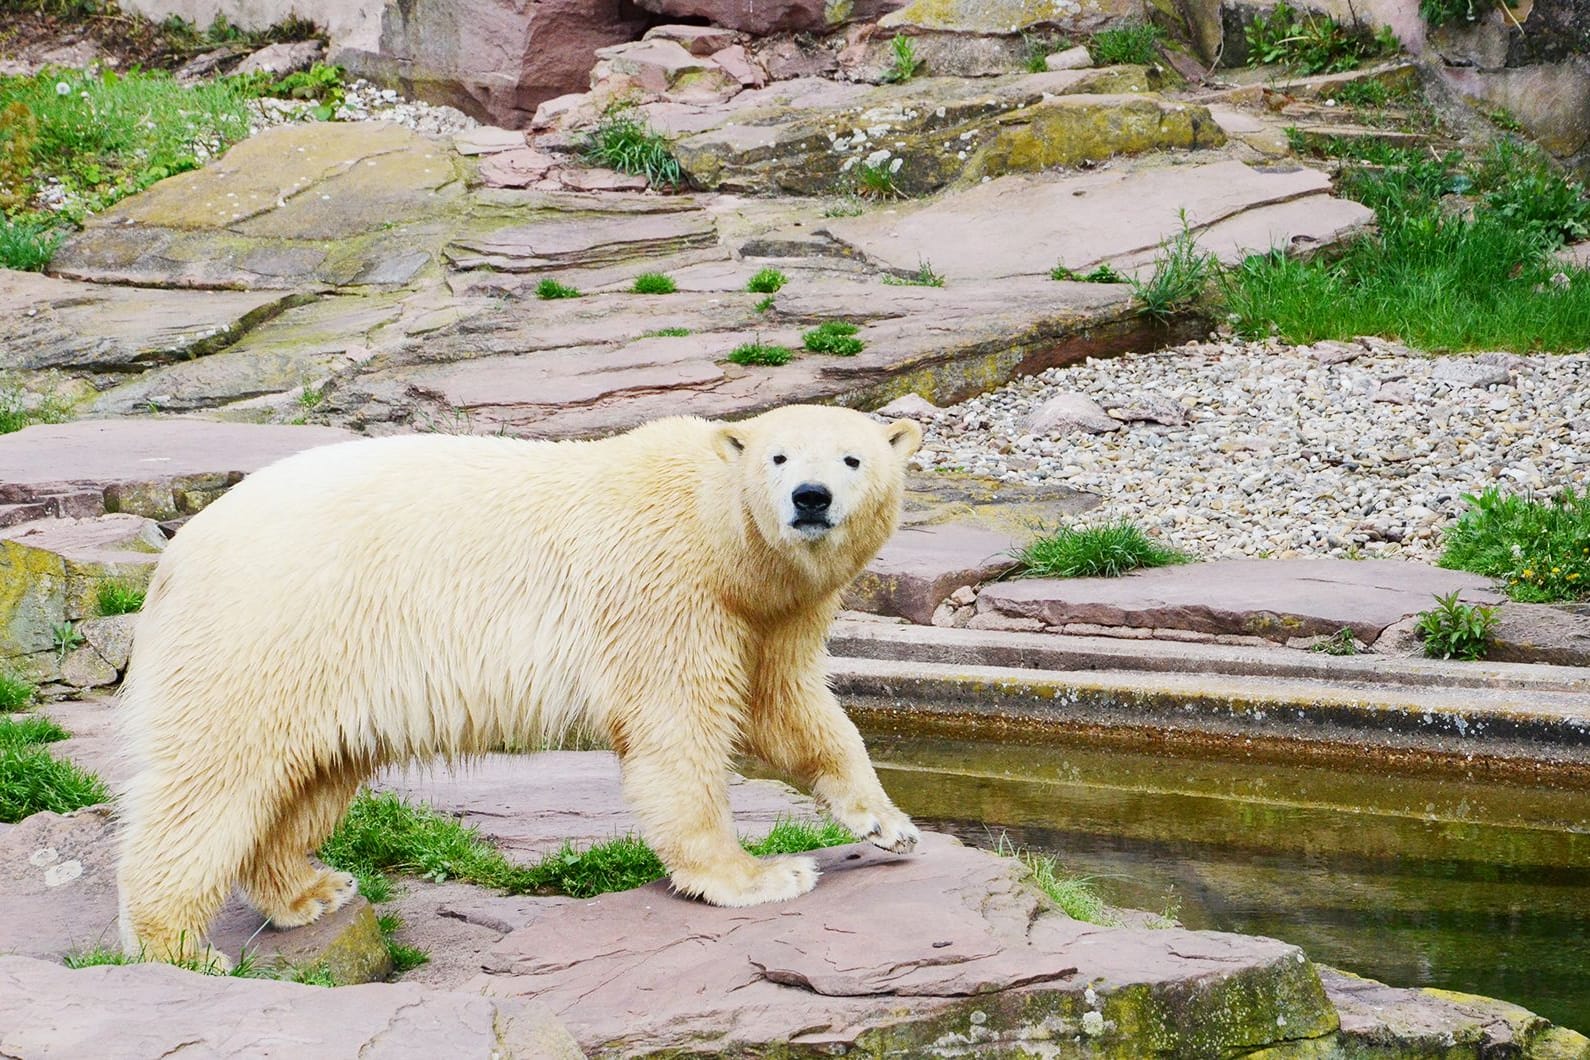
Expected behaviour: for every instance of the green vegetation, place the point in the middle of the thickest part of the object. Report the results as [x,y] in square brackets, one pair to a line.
[27,244]
[384,833]
[322,84]
[654,283]
[767,281]
[764,304]
[1073,894]
[18,409]
[760,353]
[1095,552]
[16,691]
[32,780]
[103,136]
[1181,275]
[667,333]
[1099,274]
[904,65]
[1541,548]
[835,337]
[1313,43]
[1133,42]
[65,639]
[845,206]
[1443,12]
[626,143]
[1039,47]
[1452,630]
[548,289]
[1365,93]
[247,967]
[877,181]
[1436,276]
[924,276]
[118,598]
[404,958]
[1504,119]
[1342,642]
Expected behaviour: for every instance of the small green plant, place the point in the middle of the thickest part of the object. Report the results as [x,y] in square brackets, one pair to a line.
[1445,12]
[924,276]
[1074,895]
[1181,275]
[28,244]
[66,639]
[1366,93]
[550,289]
[1312,43]
[322,84]
[32,780]
[1504,119]
[877,181]
[764,304]
[626,143]
[1103,273]
[904,64]
[1540,547]
[16,692]
[836,337]
[310,398]
[18,409]
[1095,552]
[118,598]
[1039,47]
[845,206]
[760,353]
[404,958]
[1342,642]
[1453,630]
[248,966]
[767,281]
[667,333]
[654,283]
[1131,43]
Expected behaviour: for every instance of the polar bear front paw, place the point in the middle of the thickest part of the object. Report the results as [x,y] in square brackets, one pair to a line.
[328,893]
[884,827]
[773,880]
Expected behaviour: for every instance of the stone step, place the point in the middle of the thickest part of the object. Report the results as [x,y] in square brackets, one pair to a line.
[1506,724]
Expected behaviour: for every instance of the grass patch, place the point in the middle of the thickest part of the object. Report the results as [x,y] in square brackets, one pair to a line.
[28,244]
[1181,275]
[1073,894]
[759,353]
[15,692]
[1453,630]
[404,958]
[1434,276]
[836,337]
[550,289]
[877,181]
[1444,12]
[19,409]
[767,281]
[626,143]
[1095,552]
[1342,642]
[1539,547]
[1098,274]
[321,84]
[654,283]
[903,63]
[118,598]
[1132,43]
[383,833]
[1313,43]
[764,304]
[667,333]
[1366,93]
[32,781]
[104,136]
[247,966]
[924,276]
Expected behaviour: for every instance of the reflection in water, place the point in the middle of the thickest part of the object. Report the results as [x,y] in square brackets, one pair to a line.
[1449,882]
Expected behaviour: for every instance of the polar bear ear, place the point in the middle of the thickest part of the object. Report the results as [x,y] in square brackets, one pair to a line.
[905,436]
[728,442]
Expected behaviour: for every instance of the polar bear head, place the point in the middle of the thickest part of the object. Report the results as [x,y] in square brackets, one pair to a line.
[812,476]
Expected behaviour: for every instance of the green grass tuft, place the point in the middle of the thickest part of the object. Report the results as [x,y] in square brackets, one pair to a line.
[667,333]
[247,966]
[1342,642]
[1453,630]
[767,281]
[1367,93]
[654,283]
[16,692]
[1181,275]
[27,244]
[18,409]
[550,289]
[903,64]
[1095,552]
[836,337]
[877,181]
[626,143]
[924,276]
[764,304]
[1073,894]
[404,958]
[1099,274]
[32,780]
[1539,547]
[1313,43]
[759,353]
[118,598]
[1130,43]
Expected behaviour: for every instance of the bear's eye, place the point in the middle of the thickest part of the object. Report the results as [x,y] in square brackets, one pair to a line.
[779,459]
[852,461]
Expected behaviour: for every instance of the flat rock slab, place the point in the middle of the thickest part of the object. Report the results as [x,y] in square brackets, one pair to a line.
[88,329]
[139,1011]
[897,956]
[1558,634]
[144,464]
[1273,598]
[530,805]
[58,899]
[1111,217]
[921,565]
[50,571]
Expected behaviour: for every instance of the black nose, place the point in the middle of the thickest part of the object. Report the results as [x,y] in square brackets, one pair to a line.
[811,499]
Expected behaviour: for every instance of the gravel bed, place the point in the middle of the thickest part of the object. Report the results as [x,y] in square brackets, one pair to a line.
[366,102]
[1284,453]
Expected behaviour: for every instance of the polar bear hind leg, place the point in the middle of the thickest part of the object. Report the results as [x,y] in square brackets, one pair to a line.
[279,878]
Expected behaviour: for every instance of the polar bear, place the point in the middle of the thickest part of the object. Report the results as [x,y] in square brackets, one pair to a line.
[405,598]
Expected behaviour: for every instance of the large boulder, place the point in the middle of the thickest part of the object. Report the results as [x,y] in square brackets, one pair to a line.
[495,60]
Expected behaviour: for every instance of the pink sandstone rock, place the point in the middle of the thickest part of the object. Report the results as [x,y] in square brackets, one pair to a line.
[921,565]
[749,16]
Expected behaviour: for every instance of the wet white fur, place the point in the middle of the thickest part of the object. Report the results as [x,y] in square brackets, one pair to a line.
[420,597]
